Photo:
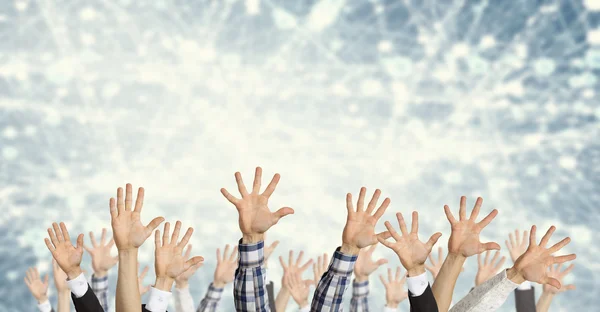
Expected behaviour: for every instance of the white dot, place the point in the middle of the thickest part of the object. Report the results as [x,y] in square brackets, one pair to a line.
[10,132]
[593,37]
[21,5]
[110,90]
[62,172]
[533,170]
[384,46]
[371,87]
[62,92]
[544,66]
[30,130]
[568,162]
[87,14]
[10,153]
[487,42]
[353,108]
[460,50]
[592,5]
[88,39]
[452,177]
[532,140]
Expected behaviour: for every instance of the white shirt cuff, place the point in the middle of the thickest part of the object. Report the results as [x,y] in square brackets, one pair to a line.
[524,286]
[417,284]
[45,306]
[305,309]
[388,309]
[78,285]
[159,300]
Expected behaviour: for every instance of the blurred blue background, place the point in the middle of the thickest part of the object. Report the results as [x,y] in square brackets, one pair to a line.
[427,100]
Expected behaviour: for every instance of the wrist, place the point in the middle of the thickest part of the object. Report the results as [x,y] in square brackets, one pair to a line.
[392,305]
[164,283]
[303,303]
[218,284]
[252,238]
[348,249]
[100,273]
[181,284]
[42,299]
[515,276]
[74,273]
[416,270]
[361,278]
[126,253]
[547,294]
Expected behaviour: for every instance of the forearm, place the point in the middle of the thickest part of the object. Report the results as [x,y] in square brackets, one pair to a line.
[250,278]
[360,295]
[211,299]
[64,301]
[128,293]
[282,299]
[488,296]
[330,290]
[183,299]
[100,288]
[543,304]
[443,286]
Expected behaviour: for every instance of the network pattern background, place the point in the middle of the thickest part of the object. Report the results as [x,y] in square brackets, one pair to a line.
[427,100]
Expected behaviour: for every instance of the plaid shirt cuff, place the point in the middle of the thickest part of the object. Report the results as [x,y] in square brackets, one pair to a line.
[214,293]
[251,255]
[342,264]
[360,289]
[99,283]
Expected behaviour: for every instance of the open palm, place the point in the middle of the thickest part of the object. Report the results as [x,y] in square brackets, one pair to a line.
[66,255]
[464,239]
[359,231]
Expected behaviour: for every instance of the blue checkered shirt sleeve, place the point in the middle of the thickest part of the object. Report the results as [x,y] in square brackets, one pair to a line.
[360,297]
[329,292]
[100,288]
[249,285]
[211,300]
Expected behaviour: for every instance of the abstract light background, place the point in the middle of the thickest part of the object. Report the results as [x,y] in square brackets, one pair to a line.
[427,100]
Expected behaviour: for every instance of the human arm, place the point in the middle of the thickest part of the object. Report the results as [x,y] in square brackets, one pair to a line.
[394,289]
[550,291]
[364,267]
[486,269]
[102,262]
[38,288]
[525,293]
[181,293]
[299,289]
[293,269]
[224,274]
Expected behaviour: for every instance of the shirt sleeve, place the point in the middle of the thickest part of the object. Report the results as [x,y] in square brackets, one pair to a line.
[78,286]
[45,306]
[305,309]
[158,301]
[417,284]
[183,300]
[488,296]
[360,297]
[388,309]
[249,285]
[100,288]
[211,299]
[330,290]
[524,286]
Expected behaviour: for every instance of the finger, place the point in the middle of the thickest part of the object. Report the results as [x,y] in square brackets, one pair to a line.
[479,262]
[128,197]
[157,242]
[389,271]
[232,199]
[487,219]
[517,238]
[325,261]
[219,257]
[59,236]
[175,236]
[393,232]
[49,245]
[449,214]
[414,227]
[385,243]
[52,237]
[93,240]
[306,265]
[476,209]
[431,259]
[569,287]
[462,212]
[440,254]
[234,254]
[139,201]
[29,274]
[103,237]
[397,274]
[113,209]
[402,224]
[499,264]
[487,257]
[273,245]
[291,256]
[165,237]
[282,262]
[381,210]
[524,239]
[226,251]
[272,185]
[46,279]
[240,184]
[80,242]
[282,212]
[186,238]
[257,179]
[349,205]
[188,252]
[111,243]
[120,202]
[551,281]
[495,258]
[567,270]
[532,240]
[153,225]
[381,262]
[193,261]
[488,246]
[382,280]
[433,240]
[65,232]
[373,202]
[508,245]
[563,259]
[547,236]
[144,272]
[384,235]
[300,255]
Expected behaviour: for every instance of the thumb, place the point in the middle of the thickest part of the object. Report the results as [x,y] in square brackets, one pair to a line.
[46,279]
[80,242]
[282,212]
[568,287]
[433,240]
[309,282]
[488,246]
[381,262]
[553,282]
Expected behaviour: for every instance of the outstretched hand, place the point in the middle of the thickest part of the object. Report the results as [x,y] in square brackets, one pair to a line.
[517,245]
[102,261]
[128,230]
[365,265]
[66,255]
[554,271]
[37,287]
[359,231]
[143,288]
[464,239]
[394,288]
[320,267]
[533,264]
[60,278]
[487,269]
[181,281]
[227,263]
[293,267]
[255,218]
[411,251]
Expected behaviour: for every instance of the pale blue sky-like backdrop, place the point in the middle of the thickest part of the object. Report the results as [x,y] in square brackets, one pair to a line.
[426,100]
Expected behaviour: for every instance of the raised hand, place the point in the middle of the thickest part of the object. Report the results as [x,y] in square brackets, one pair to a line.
[146,288]
[299,289]
[269,250]
[487,269]
[394,288]
[129,232]
[320,267]
[411,251]
[293,268]
[66,255]
[102,261]
[37,287]
[359,231]
[533,264]
[436,265]
[554,271]
[365,265]
[464,239]
[226,266]
[60,278]
[168,260]
[517,245]
[181,281]
[255,218]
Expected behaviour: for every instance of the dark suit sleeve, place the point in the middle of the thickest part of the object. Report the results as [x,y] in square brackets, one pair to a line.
[88,303]
[423,303]
[271,294]
[525,300]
